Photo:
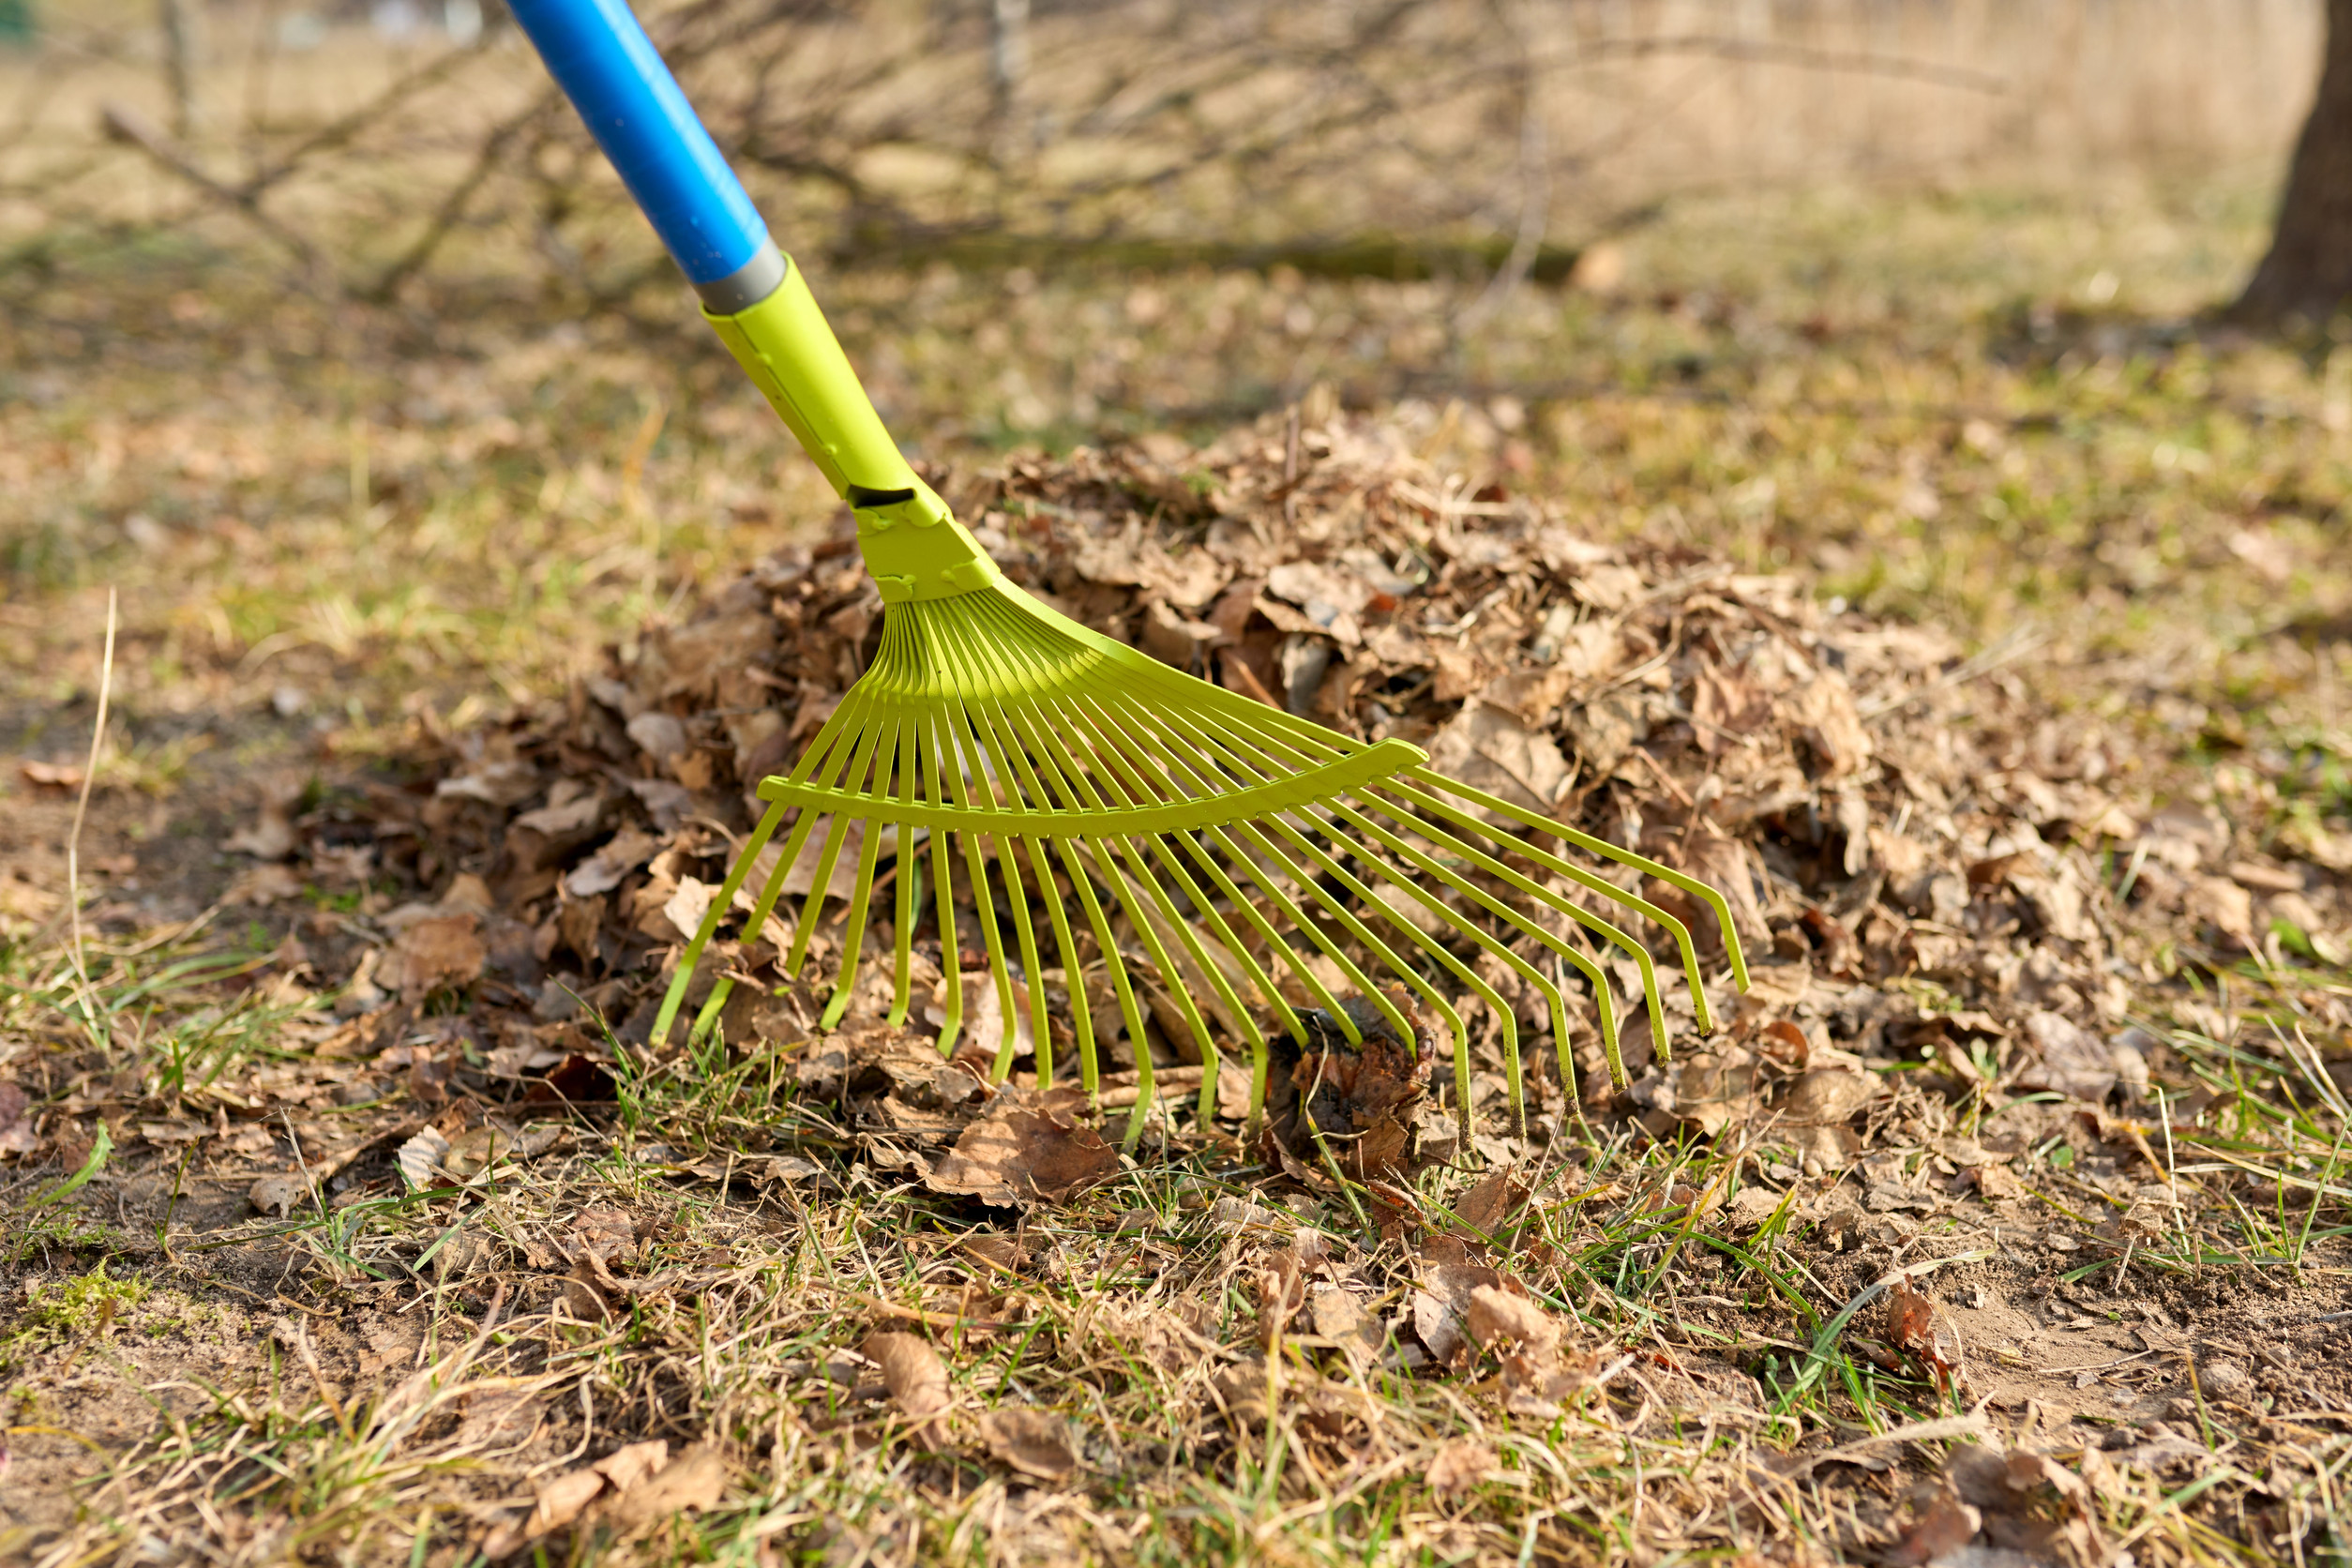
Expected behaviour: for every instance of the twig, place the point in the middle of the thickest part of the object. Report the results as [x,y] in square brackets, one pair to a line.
[1174,1080]
[132,129]
[80,812]
[1535,181]
[2012,647]
[1773,51]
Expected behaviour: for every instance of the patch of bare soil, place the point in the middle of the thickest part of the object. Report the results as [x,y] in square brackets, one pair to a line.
[1973,1233]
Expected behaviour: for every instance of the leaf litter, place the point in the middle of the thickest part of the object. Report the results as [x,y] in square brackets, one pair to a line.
[1918,853]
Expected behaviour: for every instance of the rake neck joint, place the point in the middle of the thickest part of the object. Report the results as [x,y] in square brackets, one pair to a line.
[912,544]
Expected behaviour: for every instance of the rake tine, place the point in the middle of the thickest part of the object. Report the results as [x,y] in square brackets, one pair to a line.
[1504,1016]
[975,867]
[1440,838]
[944,900]
[1436,950]
[1214,973]
[902,928]
[806,929]
[1714,899]
[1413,977]
[1054,777]
[842,722]
[1051,749]
[1397,844]
[1606,889]
[860,893]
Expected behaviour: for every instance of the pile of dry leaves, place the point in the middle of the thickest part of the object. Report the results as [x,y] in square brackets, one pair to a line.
[1911,844]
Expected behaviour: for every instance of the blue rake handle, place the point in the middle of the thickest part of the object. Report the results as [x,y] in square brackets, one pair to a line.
[600,56]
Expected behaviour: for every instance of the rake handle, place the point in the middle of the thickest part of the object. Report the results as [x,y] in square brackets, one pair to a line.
[752,295]
[600,56]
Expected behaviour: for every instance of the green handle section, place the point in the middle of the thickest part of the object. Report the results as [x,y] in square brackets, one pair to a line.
[912,545]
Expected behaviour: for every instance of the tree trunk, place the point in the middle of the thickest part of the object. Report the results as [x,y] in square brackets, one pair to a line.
[2309,269]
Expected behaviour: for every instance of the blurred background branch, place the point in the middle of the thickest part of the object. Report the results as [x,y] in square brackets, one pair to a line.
[375,144]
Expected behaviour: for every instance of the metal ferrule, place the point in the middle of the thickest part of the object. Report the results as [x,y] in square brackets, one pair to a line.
[748,284]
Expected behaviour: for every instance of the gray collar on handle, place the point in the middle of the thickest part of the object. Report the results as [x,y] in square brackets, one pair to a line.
[748,284]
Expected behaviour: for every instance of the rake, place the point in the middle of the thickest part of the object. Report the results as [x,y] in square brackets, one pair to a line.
[1252,864]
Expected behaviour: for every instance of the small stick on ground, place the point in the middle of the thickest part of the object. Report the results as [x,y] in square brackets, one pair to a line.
[81,810]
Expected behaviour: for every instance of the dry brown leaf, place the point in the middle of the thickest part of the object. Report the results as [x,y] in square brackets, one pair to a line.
[1496,1316]
[497,1417]
[695,1479]
[433,954]
[1492,1199]
[1822,711]
[1827,1095]
[626,1467]
[912,1372]
[17,1136]
[1489,750]
[1915,1323]
[1031,1441]
[560,1502]
[1940,1529]
[2072,1062]
[1910,1316]
[278,1194]
[602,872]
[1439,1306]
[270,837]
[1459,1466]
[1361,1096]
[1026,1147]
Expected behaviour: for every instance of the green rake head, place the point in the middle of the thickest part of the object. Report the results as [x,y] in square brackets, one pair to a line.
[1007,757]
[1003,758]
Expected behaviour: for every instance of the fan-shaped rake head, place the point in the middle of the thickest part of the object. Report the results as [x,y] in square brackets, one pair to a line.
[1248,862]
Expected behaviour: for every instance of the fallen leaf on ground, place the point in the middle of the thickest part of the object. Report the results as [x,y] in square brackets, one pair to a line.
[1942,1527]
[270,837]
[1496,1313]
[493,1417]
[912,1370]
[1915,1324]
[1492,1199]
[1360,1097]
[1031,1441]
[2073,1061]
[435,952]
[1025,1148]
[695,1479]
[626,1467]
[1459,1465]
[277,1195]
[1441,1304]
[1827,1095]
[560,1502]
[51,775]
[419,1159]
[16,1125]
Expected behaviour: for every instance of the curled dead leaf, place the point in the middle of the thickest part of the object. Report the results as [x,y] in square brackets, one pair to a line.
[912,1372]
[278,1194]
[433,954]
[694,1481]
[1026,1147]
[560,1502]
[1459,1466]
[1031,1442]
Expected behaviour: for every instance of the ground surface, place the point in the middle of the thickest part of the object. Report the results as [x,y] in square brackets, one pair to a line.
[1971,618]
